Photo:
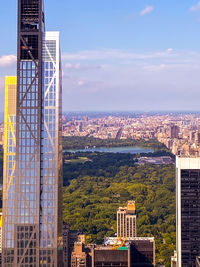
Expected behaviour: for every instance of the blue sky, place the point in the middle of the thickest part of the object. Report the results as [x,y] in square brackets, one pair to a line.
[119,54]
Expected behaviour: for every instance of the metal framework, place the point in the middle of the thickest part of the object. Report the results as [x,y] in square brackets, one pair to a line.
[37,210]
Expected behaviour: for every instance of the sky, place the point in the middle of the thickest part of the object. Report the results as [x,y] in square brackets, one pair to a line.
[125,55]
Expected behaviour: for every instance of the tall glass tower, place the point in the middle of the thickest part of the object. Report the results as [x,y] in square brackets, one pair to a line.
[32,227]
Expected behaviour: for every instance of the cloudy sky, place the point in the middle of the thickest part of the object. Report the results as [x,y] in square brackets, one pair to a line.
[119,54]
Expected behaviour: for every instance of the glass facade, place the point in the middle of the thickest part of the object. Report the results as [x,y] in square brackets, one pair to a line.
[9,167]
[190,216]
[33,204]
[187,210]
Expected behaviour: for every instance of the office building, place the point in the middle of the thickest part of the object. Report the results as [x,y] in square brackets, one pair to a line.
[126,221]
[79,256]
[106,256]
[75,237]
[66,256]
[197,137]
[174,131]
[32,225]
[187,210]
[142,249]
[143,252]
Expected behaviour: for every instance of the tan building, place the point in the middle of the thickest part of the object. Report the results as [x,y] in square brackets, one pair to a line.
[174,260]
[126,221]
[79,257]
[198,261]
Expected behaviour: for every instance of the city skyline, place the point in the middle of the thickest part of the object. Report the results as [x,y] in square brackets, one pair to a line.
[120,56]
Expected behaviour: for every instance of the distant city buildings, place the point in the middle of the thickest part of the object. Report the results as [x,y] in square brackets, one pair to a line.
[187,210]
[126,250]
[179,132]
[126,221]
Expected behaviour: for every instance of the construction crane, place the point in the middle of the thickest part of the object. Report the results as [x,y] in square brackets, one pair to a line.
[116,246]
[123,242]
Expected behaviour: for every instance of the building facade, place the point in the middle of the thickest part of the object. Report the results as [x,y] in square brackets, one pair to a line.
[126,221]
[198,261]
[174,260]
[187,210]
[79,256]
[9,168]
[106,256]
[32,233]
[142,249]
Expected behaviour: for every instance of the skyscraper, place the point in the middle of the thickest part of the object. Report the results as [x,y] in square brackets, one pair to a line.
[126,221]
[32,226]
[187,210]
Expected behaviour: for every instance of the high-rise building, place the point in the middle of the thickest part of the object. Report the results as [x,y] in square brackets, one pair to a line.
[197,137]
[187,210]
[79,256]
[32,222]
[142,249]
[174,131]
[126,221]
[106,256]
[143,252]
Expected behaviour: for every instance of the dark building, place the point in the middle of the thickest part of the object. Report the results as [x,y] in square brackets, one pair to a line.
[142,253]
[69,240]
[66,229]
[174,131]
[142,249]
[106,256]
[135,253]
[32,206]
[188,210]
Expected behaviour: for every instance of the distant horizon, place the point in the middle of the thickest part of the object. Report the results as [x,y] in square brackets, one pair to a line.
[119,55]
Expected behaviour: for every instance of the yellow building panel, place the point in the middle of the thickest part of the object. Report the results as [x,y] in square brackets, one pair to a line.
[9,126]
[1,221]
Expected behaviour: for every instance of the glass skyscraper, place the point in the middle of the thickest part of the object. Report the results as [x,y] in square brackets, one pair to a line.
[32,226]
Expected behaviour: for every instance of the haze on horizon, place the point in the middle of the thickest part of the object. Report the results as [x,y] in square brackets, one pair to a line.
[119,55]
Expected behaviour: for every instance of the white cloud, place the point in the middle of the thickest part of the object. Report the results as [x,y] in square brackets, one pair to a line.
[80,83]
[7,60]
[76,66]
[195,7]
[170,50]
[155,67]
[111,54]
[146,10]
